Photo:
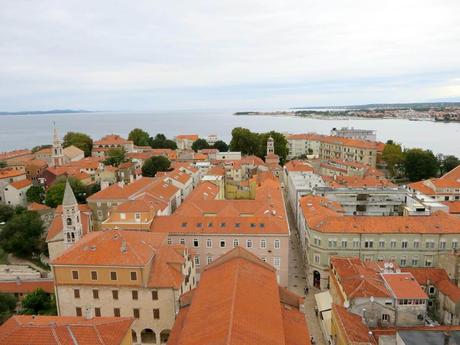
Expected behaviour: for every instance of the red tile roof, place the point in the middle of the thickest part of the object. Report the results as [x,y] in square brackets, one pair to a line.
[112,139]
[437,277]
[112,247]
[404,286]
[326,216]
[193,137]
[454,206]
[296,165]
[239,296]
[37,207]
[352,326]
[60,330]
[21,184]
[9,172]
[26,286]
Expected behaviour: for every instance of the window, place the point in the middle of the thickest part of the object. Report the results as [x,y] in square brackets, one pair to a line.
[276,261]
[182,241]
[136,313]
[317,241]
[97,312]
[454,244]
[431,290]
[393,244]
[428,261]
[196,243]
[344,243]
[122,216]
[113,275]
[368,244]
[404,244]
[237,225]
[137,216]
[154,295]
[317,258]
[415,261]
[197,260]
[264,258]
[135,295]
[236,243]
[96,294]
[429,244]
[222,243]
[133,275]
[76,293]
[78,311]
[93,275]
[222,225]
[170,240]
[208,243]
[263,244]
[115,294]
[403,261]
[386,317]
[156,314]
[355,243]
[442,244]
[381,243]
[253,225]
[332,243]
[416,244]
[116,312]
[184,225]
[248,243]
[75,275]
[209,260]
[99,214]
[277,244]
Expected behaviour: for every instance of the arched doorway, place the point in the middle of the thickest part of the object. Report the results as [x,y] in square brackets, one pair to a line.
[134,336]
[148,336]
[164,335]
[317,279]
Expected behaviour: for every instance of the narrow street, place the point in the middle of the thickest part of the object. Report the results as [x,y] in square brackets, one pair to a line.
[297,280]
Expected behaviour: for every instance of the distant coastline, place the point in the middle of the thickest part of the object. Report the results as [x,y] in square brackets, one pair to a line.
[440,111]
[46,112]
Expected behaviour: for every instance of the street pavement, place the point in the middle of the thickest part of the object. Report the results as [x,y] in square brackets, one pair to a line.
[297,280]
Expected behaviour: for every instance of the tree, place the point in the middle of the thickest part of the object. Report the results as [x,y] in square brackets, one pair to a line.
[6,213]
[80,140]
[154,164]
[7,306]
[22,234]
[221,146]
[281,145]
[161,142]
[35,194]
[2,164]
[55,193]
[393,156]
[245,141]
[139,137]
[420,164]
[38,303]
[115,156]
[200,144]
[449,163]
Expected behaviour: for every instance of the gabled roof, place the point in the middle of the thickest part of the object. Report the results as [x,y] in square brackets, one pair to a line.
[72,151]
[68,330]
[352,326]
[239,296]
[112,248]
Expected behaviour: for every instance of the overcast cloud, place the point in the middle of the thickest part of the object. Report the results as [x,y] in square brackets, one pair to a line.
[149,55]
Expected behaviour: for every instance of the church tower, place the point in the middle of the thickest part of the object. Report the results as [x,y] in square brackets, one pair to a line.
[71,218]
[57,155]
[270,146]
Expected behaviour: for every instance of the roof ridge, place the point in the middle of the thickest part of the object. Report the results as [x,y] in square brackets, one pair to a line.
[74,340]
[53,331]
[232,310]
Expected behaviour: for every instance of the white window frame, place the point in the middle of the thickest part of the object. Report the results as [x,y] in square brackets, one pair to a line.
[263,244]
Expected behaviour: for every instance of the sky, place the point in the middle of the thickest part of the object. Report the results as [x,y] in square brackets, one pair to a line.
[238,54]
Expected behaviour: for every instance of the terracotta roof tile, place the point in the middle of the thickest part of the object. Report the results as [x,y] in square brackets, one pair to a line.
[26,286]
[63,330]
[238,294]
[352,326]
[21,184]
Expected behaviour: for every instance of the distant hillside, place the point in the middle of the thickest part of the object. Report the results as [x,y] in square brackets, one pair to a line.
[43,112]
